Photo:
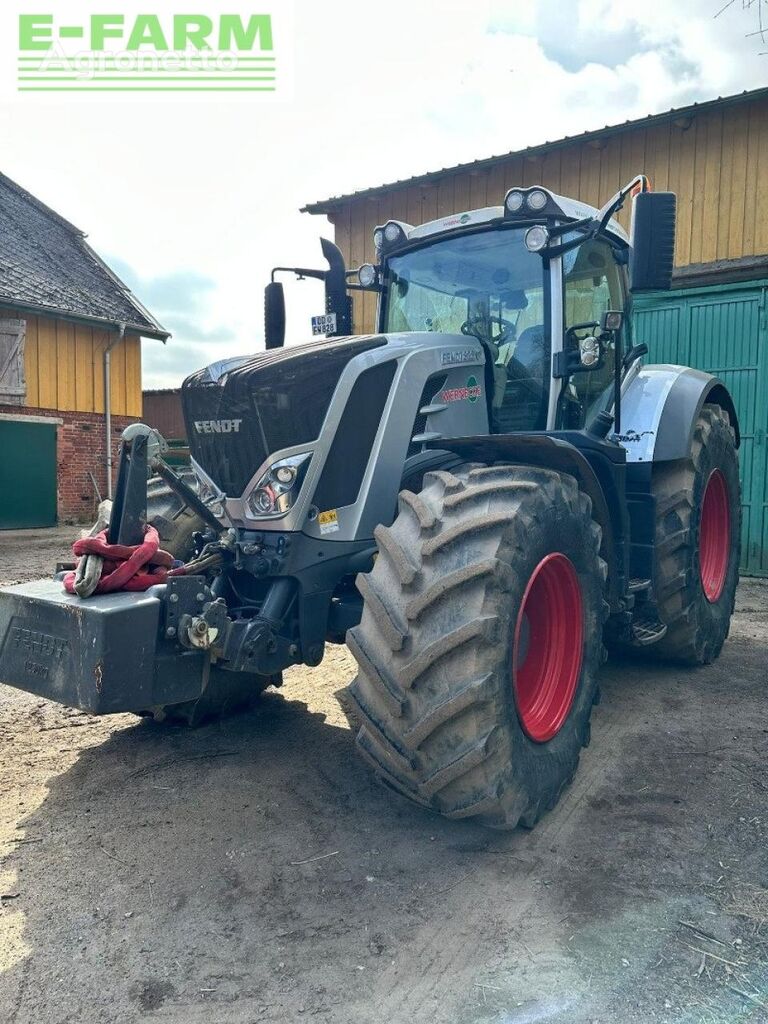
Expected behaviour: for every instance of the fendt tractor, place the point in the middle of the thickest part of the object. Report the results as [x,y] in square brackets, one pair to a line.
[481,499]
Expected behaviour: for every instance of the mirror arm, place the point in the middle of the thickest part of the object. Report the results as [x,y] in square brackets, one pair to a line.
[639,182]
[300,272]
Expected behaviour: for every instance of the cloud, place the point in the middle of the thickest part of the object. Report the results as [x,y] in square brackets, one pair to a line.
[180,290]
[186,330]
[174,298]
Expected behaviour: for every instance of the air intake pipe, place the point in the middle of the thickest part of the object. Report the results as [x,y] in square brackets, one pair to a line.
[337,300]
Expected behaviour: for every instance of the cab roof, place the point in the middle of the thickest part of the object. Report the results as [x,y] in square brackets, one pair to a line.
[560,207]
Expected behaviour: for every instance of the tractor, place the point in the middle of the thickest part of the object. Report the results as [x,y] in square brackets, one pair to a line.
[481,499]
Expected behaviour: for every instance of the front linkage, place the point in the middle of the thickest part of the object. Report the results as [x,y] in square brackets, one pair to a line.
[194,612]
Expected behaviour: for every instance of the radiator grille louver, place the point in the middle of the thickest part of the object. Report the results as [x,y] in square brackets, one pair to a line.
[434,384]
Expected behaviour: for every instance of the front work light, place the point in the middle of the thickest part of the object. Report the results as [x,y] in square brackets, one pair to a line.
[378,238]
[366,275]
[589,351]
[612,320]
[536,238]
[276,491]
[514,200]
[536,199]
[392,232]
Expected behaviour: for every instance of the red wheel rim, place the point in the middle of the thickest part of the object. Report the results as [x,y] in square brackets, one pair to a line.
[549,637]
[714,536]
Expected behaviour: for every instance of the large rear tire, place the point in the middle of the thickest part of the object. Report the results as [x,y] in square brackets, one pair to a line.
[698,532]
[480,642]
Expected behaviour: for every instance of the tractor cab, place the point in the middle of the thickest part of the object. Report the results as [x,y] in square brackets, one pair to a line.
[532,280]
[487,280]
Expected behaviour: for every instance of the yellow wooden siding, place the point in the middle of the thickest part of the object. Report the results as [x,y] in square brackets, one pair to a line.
[712,161]
[64,367]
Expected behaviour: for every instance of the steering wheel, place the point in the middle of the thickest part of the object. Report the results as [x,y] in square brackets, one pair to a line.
[476,324]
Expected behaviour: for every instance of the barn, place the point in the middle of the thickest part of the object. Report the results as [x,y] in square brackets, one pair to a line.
[70,365]
[714,155]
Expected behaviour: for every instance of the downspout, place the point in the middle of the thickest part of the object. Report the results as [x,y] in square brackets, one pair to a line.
[108,401]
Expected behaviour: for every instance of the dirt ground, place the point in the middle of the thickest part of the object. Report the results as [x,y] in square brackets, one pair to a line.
[254,871]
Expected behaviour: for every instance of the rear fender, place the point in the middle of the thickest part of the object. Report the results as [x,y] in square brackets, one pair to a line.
[660,407]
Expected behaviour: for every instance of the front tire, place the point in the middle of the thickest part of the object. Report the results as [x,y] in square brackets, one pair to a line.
[174,521]
[698,541]
[480,643]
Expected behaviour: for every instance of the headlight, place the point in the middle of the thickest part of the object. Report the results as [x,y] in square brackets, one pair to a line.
[285,474]
[514,201]
[537,199]
[536,238]
[276,492]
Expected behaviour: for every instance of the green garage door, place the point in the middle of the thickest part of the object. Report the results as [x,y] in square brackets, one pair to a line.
[723,329]
[27,474]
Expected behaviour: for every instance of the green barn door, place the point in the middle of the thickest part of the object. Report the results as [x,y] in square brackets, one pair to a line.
[27,474]
[723,330]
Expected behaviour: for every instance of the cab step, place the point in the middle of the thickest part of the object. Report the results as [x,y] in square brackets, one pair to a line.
[647,629]
[637,585]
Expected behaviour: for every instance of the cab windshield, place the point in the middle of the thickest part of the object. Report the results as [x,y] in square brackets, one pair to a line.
[489,286]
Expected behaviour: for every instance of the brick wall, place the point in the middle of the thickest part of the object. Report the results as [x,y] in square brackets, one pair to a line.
[80,448]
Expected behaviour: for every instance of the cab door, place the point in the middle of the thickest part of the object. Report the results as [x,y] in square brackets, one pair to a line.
[593,282]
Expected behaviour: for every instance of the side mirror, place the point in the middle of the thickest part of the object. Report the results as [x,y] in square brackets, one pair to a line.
[274,315]
[653,241]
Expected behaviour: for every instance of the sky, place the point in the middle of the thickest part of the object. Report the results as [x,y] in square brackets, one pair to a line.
[193,203]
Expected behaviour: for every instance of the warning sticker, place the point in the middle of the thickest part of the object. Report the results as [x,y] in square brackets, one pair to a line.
[329,521]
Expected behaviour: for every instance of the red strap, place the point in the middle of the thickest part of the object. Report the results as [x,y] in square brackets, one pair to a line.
[123,563]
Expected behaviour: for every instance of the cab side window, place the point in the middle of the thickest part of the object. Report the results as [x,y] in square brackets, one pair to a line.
[593,284]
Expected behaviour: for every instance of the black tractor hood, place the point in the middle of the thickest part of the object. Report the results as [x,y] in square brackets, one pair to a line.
[239,412]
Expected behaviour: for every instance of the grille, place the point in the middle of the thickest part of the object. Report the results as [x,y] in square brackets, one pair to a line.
[274,400]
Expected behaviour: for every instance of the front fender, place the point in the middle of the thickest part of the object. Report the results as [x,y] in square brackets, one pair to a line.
[660,406]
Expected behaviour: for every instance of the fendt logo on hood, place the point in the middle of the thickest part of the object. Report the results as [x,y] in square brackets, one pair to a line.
[218,426]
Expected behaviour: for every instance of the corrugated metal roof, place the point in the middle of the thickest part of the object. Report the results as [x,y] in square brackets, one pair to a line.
[46,265]
[328,205]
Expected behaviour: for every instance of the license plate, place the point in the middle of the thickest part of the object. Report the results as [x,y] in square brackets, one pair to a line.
[325,324]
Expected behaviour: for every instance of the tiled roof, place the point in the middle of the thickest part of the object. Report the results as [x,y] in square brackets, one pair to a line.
[327,205]
[46,265]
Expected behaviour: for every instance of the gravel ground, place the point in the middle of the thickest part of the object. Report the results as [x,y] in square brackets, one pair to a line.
[254,871]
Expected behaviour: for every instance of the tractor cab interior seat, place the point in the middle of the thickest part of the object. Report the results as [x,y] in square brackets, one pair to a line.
[523,404]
